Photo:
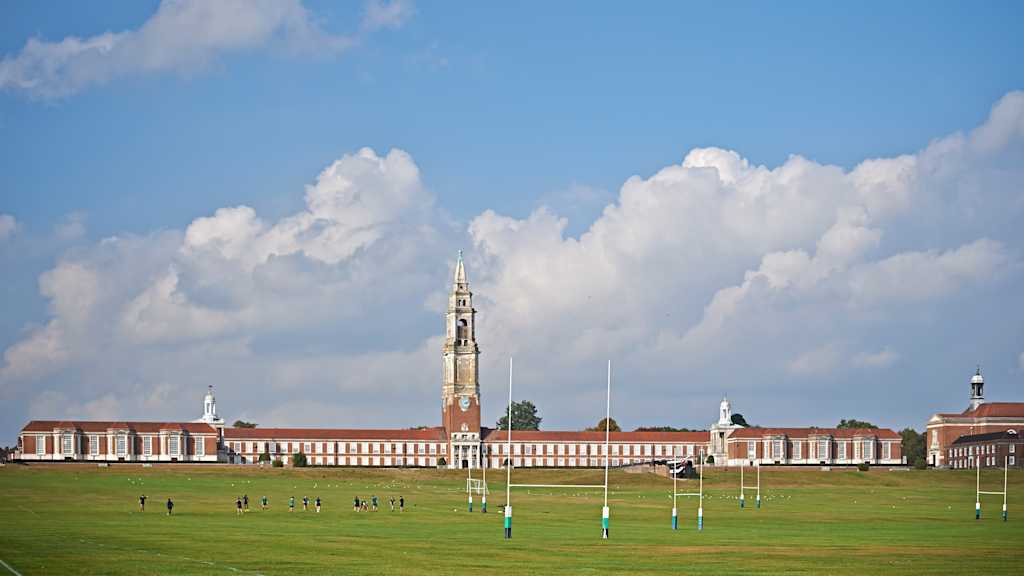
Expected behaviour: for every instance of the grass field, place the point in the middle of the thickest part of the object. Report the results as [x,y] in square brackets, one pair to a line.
[78,519]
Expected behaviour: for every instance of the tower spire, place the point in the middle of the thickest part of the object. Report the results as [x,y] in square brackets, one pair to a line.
[460,272]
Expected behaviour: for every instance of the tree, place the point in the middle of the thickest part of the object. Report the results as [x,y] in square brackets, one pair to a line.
[524,417]
[851,423]
[264,457]
[739,420]
[914,447]
[244,424]
[613,426]
[299,460]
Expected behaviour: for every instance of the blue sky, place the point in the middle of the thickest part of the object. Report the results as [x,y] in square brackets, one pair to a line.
[502,108]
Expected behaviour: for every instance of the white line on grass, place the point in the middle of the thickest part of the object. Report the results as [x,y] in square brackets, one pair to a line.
[8,566]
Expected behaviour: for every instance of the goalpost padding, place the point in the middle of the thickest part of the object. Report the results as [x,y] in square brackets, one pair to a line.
[605,511]
[978,491]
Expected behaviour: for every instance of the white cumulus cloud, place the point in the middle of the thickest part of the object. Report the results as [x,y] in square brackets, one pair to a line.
[181,36]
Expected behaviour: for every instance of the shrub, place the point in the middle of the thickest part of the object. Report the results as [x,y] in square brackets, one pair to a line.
[710,460]
[299,460]
[265,457]
[863,467]
[278,464]
[921,464]
[441,461]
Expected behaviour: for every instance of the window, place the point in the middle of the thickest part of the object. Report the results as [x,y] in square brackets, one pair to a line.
[751,450]
[887,450]
[796,450]
[40,445]
[67,446]
[1011,460]
[172,445]
[1013,448]
[823,449]
[776,449]
[122,444]
[147,445]
[306,448]
[200,449]
[868,449]
[842,450]
[94,445]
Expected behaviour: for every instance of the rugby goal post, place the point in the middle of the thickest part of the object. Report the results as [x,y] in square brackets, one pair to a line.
[756,487]
[699,494]
[978,491]
[477,486]
[510,460]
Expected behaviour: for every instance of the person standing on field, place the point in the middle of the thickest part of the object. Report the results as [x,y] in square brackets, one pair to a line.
[245,502]
[317,504]
[238,505]
[392,503]
[401,503]
[264,503]
[355,504]
[142,503]
[305,503]
[291,504]
[170,506]
[374,500]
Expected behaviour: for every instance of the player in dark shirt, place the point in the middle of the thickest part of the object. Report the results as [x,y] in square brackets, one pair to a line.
[305,503]
[401,503]
[317,504]
[170,506]
[238,505]
[142,503]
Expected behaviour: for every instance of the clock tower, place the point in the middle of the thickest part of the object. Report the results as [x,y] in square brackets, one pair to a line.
[460,390]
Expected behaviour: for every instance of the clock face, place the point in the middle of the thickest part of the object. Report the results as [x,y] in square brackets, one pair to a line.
[464,403]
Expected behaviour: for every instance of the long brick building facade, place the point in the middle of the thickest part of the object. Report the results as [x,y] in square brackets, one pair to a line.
[459,442]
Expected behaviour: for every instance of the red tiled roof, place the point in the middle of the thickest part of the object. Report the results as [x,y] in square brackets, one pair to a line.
[996,410]
[592,436]
[805,432]
[99,426]
[331,434]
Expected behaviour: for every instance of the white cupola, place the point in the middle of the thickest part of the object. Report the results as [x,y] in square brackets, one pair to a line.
[210,409]
[725,413]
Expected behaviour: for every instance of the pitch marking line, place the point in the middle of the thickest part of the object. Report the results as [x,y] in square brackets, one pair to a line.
[8,566]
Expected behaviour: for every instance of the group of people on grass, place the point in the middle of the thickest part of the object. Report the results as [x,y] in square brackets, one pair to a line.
[242,504]
[361,505]
[142,504]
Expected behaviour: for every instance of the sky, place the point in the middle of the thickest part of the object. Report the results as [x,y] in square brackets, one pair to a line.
[813,209]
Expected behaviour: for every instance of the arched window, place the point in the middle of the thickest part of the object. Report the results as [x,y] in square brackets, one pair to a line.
[462,331]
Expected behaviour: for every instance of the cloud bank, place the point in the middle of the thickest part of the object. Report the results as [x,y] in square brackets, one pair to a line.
[795,287]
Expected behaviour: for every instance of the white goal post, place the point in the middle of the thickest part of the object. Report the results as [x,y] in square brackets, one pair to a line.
[509,463]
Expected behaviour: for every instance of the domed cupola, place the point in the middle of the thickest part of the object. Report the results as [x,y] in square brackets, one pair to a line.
[977,389]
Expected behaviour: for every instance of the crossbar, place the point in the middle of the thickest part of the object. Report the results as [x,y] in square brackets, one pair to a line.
[687,494]
[556,485]
[993,493]
[749,487]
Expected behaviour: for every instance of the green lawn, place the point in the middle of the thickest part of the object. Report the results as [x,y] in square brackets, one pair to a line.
[78,519]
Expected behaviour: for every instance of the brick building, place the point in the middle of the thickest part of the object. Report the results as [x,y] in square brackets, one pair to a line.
[980,417]
[815,446]
[459,442]
[989,450]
